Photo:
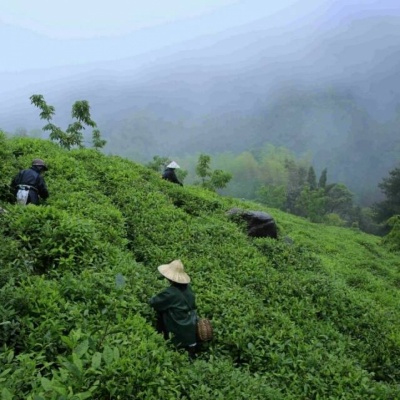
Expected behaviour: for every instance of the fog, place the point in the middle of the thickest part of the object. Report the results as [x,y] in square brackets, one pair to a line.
[319,77]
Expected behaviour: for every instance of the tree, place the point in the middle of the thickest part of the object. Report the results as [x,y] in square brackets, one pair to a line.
[363,218]
[339,200]
[158,163]
[392,239]
[312,178]
[311,204]
[98,142]
[272,195]
[210,179]
[73,135]
[323,179]
[297,175]
[203,169]
[246,173]
[390,186]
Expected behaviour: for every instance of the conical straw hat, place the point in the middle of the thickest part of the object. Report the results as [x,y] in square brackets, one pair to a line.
[173,164]
[174,271]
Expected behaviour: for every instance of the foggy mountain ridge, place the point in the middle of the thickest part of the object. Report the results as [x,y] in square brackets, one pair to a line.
[241,50]
[333,91]
[313,28]
[140,42]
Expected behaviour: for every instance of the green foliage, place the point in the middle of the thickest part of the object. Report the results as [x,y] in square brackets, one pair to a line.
[339,199]
[46,111]
[277,178]
[390,186]
[294,318]
[311,203]
[203,169]
[47,238]
[73,135]
[5,167]
[364,219]
[181,174]
[211,179]
[323,179]
[158,163]
[392,239]
[296,182]
[98,142]
[301,196]
[312,178]
[273,196]
[334,219]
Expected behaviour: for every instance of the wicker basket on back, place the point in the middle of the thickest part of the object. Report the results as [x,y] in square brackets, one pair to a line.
[204,330]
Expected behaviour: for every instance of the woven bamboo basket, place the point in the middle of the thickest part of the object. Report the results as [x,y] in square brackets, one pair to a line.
[204,330]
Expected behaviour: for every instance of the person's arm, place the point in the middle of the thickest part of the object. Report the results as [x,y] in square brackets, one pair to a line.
[14,183]
[42,188]
[161,301]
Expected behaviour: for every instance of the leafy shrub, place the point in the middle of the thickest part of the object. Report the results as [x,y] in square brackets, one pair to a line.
[6,157]
[392,239]
[334,219]
[48,238]
[293,318]
[194,202]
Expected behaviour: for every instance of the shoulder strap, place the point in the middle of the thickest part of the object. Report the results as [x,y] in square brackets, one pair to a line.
[184,298]
[192,311]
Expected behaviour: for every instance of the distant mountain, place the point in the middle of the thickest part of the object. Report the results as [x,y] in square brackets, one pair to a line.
[324,82]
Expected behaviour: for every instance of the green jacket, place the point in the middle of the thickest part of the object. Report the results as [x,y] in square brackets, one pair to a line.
[177,305]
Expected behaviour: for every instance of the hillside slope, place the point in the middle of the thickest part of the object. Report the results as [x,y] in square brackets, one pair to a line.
[314,314]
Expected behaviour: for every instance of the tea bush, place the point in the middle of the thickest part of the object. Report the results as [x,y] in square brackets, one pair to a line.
[6,167]
[47,238]
[314,314]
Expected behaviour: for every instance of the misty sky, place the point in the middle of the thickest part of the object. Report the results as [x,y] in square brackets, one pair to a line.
[47,40]
[46,33]
[312,41]
[334,64]
[89,24]
[77,19]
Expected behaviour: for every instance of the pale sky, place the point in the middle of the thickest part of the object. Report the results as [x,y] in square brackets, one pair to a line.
[48,34]
[46,43]
[74,19]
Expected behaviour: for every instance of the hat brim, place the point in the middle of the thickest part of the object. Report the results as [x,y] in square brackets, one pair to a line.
[177,277]
[173,165]
[43,167]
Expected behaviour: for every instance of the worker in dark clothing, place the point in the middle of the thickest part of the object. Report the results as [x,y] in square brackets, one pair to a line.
[169,173]
[176,307]
[28,186]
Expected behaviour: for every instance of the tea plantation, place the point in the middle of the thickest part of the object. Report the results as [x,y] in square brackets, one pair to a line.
[314,314]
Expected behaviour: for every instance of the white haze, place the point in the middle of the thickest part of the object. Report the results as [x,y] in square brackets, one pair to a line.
[309,75]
